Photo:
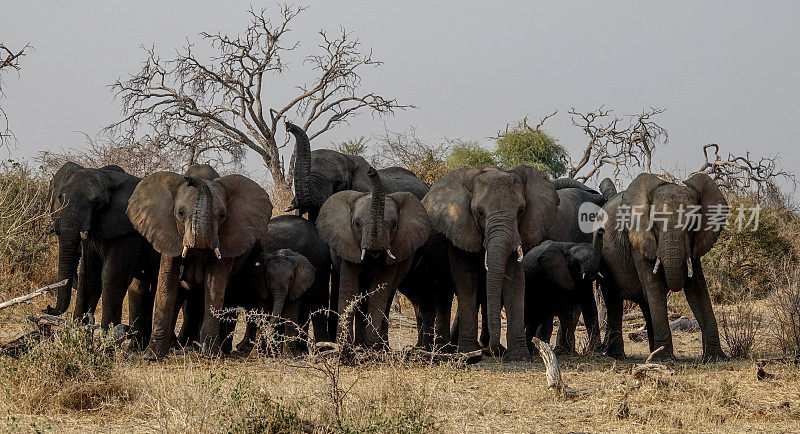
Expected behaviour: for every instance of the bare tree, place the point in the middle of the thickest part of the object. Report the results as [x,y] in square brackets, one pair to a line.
[622,143]
[9,60]
[427,160]
[739,173]
[186,100]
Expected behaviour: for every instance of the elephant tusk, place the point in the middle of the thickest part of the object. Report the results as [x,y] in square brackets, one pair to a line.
[599,274]
[689,266]
[655,268]
[185,251]
[84,235]
[217,252]
[258,264]
[389,252]
[363,252]
[520,254]
[583,276]
[486,260]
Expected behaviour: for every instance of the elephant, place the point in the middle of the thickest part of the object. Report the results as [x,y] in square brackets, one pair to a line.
[490,217]
[649,254]
[373,237]
[320,173]
[88,210]
[278,283]
[558,278]
[572,194]
[205,227]
[296,234]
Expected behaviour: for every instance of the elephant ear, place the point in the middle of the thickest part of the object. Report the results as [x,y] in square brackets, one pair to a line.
[541,205]
[713,206]
[335,227]
[151,211]
[637,199]
[553,262]
[448,205]
[413,226]
[112,221]
[248,212]
[304,275]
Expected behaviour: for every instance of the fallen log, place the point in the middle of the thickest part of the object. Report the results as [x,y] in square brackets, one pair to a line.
[34,294]
[681,324]
[553,373]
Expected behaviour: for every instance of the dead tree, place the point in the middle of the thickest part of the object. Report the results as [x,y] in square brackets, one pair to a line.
[742,173]
[621,143]
[222,102]
[9,61]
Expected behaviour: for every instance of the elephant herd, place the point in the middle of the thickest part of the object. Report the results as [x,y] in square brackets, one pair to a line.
[492,238]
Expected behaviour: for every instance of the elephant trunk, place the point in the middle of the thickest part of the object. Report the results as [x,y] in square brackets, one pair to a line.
[597,251]
[277,306]
[200,233]
[672,253]
[377,234]
[502,240]
[302,167]
[68,256]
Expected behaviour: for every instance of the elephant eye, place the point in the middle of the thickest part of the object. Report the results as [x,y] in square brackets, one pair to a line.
[358,224]
[481,213]
[222,215]
[394,224]
[520,211]
[181,214]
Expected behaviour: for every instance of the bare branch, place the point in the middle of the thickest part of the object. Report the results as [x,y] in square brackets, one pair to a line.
[9,60]
[738,173]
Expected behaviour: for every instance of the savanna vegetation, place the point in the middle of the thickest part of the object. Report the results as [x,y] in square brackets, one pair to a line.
[79,379]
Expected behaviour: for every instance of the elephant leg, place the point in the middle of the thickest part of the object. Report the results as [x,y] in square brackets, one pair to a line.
[655,293]
[192,317]
[648,323]
[544,330]
[612,341]
[454,331]
[164,309]
[227,327]
[140,312]
[215,285]
[588,309]
[514,301]
[248,341]
[294,342]
[426,324]
[444,306]
[700,303]
[348,291]
[316,306]
[116,280]
[333,306]
[89,286]
[466,282]
[565,340]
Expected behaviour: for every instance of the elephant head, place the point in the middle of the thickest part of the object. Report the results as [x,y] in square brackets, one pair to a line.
[179,213]
[608,189]
[660,235]
[355,224]
[204,171]
[86,203]
[502,212]
[284,274]
[319,175]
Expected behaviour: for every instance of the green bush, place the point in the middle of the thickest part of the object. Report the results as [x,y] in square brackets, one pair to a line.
[524,145]
[469,154]
[744,261]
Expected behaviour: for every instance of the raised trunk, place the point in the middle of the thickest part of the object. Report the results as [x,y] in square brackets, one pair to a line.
[68,255]
[302,167]
[376,238]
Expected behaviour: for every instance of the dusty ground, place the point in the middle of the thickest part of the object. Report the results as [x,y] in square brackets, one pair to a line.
[189,394]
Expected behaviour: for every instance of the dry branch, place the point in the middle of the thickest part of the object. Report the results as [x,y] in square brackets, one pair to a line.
[34,294]
[553,373]
[739,173]
[639,371]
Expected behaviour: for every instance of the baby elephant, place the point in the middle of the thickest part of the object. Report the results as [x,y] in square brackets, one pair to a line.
[558,279]
[277,283]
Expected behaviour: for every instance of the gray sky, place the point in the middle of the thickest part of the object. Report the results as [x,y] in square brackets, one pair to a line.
[727,72]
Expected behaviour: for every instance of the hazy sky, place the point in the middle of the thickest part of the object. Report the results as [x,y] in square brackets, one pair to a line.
[727,72]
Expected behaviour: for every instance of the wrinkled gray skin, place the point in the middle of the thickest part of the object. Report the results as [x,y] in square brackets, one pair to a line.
[630,255]
[205,227]
[320,173]
[301,236]
[491,217]
[88,211]
[373,237]
[559,278]
[571,195]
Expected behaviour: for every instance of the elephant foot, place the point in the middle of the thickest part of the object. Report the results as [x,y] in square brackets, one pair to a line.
[497,351]
[445,348]
[715,356]
[516,355]
[662,356]
[153,355]
[243,348]
[615,353]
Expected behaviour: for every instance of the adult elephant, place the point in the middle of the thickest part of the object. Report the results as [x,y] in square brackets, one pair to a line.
[298,235]
[320,173]
[491,217]
[88,210]
[572,195]
[558,278]
[208,228]
[374,237]
[658,249]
